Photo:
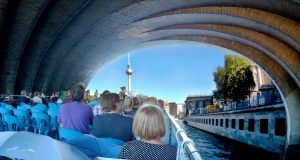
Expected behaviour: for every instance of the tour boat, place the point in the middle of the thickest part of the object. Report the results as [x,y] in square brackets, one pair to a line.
[28,145]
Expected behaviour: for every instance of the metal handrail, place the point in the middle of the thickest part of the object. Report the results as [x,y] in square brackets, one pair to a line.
[187,143]
[257,102]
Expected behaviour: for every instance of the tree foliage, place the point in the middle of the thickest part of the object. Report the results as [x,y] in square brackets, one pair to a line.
[234,81]
[219,76]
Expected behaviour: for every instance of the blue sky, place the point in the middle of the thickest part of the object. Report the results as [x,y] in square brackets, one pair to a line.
[168,72]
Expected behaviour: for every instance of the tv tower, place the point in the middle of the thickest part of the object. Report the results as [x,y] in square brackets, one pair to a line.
[129,73]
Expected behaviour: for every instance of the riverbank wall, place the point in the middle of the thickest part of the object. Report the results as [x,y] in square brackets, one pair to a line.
[263,127]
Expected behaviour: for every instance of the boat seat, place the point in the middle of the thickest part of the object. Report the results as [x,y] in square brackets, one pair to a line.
[13,123]
[68,134]
[2,104]
[53,106]
[36,110]
[24,118]
[42,107]
[9,107]
[3,111]
[26,105]
[41,123]
[52,112]
[22,108]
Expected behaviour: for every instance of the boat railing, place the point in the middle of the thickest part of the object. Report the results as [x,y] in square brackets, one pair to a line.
[185,146]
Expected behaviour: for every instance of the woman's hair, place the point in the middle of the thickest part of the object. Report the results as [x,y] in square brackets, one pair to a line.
[109,101]
[36,93]
[135,102]
[104,92]
[150,100]
[149,122]
[77,92]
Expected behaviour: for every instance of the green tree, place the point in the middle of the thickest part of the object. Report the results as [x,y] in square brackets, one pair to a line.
[219,76]
[234,81]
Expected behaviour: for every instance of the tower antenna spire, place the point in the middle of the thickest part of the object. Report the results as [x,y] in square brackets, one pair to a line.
[129,73]
[128,58]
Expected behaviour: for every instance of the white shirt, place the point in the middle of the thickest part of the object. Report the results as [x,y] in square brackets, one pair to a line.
[37,100]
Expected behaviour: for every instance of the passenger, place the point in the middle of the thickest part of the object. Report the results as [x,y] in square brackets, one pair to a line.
[44,98]
[9,100]
[30,95]
[122,93]
[98,108]
[150,100]
[133,107]
[149,125]
[111,123]
[96,94]
[75,115]
[53,97]
[37,98]
[166,137]
[23,98]
[125,105]
[59,101]
[86,96]
[68,97]
[161,104]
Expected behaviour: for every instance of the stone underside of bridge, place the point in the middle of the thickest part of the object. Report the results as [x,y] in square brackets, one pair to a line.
[51,45]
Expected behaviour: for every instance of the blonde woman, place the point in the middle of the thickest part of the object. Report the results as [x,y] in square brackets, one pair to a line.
[149,125]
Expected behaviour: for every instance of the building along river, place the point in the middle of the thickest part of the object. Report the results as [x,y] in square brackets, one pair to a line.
[213,147]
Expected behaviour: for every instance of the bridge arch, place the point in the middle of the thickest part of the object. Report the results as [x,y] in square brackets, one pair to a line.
[50,45]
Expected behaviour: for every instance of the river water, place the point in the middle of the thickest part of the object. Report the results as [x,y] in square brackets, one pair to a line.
[213,147]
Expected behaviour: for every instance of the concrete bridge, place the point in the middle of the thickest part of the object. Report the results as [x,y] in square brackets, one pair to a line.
[52,44]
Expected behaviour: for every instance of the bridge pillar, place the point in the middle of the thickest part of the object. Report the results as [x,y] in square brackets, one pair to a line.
[293,122]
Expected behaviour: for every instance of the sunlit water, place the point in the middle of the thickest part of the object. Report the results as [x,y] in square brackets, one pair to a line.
[213,147]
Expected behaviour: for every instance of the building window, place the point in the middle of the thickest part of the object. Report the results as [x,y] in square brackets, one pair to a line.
[264,126]
[209,121]
[213,122]
[206,121]
[233,123]
[251,124]
[221,122]
[217,122]
[280,127]
[226,123]
[241,124]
